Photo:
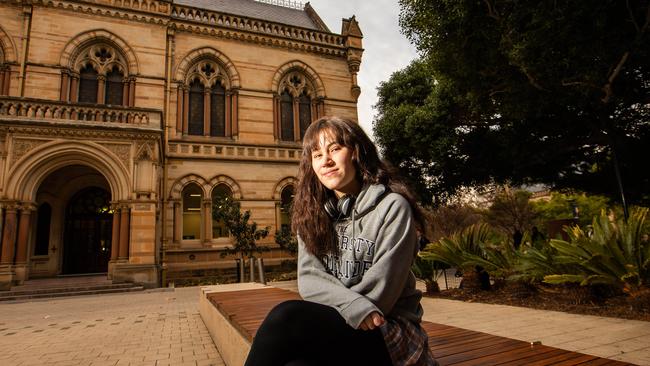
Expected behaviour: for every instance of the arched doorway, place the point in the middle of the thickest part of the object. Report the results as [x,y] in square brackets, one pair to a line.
[87,233]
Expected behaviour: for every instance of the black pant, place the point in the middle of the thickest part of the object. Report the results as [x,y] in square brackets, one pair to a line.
[301,333]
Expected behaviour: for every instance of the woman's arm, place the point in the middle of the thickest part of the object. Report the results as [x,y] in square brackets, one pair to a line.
[317,285]
[396,248]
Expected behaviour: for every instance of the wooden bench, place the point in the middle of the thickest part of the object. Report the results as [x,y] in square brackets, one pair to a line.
[233,318]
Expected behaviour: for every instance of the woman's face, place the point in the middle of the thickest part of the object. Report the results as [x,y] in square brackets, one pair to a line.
[333,166]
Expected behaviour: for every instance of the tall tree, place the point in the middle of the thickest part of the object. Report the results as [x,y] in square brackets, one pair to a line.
[556,92]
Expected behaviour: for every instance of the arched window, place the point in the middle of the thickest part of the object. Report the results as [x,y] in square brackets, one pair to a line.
[115,87]
[192,197]
[88,84]
[295,106]
[97,75]
[44,217]
[218,110]
[220,192]
[286,200]
[206,106]
[196,108]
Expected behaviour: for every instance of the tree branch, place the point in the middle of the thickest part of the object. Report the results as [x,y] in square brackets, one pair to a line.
[607,89]
[491,11]
[629,10]
[580,83]
[531,79]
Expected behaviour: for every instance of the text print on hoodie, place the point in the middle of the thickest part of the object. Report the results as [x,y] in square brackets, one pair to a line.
[378,243]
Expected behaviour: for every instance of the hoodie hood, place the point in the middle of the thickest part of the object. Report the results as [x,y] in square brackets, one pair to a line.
[368,199]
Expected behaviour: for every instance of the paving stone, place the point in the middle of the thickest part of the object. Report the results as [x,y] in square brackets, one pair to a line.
[107,330]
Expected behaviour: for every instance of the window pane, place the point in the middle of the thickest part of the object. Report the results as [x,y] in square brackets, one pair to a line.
[196,108]
[219,229]
[192,197]
[286,117]
[304,104]
[286,199]
[88,85]
[218,111]
[114,87]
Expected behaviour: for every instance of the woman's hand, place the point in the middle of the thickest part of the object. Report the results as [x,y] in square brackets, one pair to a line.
[372,321]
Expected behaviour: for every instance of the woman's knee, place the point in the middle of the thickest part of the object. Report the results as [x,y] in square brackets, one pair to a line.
[286,312]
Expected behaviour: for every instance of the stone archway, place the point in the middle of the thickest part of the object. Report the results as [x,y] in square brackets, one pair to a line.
[52,173]
[79,231]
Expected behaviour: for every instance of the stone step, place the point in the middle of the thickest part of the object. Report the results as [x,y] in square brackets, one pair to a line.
[69,291]
[19,291]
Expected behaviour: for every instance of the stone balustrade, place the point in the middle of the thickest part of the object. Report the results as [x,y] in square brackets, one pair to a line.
[235,152]
[36,109]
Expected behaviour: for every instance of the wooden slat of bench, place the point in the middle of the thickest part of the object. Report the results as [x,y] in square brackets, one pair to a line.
[450,345]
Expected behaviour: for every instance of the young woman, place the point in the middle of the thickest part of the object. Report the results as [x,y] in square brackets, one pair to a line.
[356,227]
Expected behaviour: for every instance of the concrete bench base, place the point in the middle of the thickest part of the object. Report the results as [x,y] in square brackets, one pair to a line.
[232,345]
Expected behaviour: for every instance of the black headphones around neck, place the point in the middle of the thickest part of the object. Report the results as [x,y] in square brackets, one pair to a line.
[339,209]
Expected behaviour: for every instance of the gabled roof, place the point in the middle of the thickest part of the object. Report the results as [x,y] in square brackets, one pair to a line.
[258,10]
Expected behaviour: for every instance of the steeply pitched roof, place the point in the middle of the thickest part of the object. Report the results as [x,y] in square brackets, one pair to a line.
[254,9]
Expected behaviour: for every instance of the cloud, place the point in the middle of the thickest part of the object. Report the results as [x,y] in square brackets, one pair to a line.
[386,50]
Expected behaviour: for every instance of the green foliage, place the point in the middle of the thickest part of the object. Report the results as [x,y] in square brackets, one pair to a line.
[511,211]
[449,219]
[477,245]
[286,240]
[616,253]
[512,91]
[560,206]
[244,233]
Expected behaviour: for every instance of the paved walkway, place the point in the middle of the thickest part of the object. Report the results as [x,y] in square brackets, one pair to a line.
[164,328]
[149,328]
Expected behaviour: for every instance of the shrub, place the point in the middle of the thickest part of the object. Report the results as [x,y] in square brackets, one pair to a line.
[616,253]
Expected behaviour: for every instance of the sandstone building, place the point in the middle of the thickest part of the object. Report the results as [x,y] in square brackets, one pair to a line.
[121,120]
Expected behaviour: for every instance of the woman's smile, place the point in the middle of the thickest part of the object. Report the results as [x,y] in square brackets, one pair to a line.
[333,165]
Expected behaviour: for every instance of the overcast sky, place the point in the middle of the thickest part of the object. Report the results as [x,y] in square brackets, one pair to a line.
[386,50]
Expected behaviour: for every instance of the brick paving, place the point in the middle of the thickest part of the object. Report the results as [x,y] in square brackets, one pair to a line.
[163,327]
[148,328]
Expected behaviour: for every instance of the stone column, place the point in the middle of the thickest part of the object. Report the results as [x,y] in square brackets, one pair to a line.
[23,234]
[124,233]
[186,109]
[132,92]
[178,222]
[207,220]
[276,116]
[74,88]
[7,80]
[296,120]
[2,80]
[65,85]
[206,112]
[9,236]
[125,92]
[229,121]
[234,113]
[179,109]
[115,234]
[101,88]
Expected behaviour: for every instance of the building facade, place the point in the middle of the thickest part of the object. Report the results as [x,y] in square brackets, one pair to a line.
[122,120]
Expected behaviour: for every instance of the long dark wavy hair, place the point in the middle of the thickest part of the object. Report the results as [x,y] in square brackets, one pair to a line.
[309,219]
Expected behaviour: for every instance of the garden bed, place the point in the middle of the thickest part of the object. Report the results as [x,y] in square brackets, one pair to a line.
[557,298]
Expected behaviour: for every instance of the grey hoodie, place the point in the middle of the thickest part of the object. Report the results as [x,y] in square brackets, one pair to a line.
[378,243]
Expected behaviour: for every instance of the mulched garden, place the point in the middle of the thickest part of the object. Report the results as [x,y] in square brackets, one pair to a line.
[577,300]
